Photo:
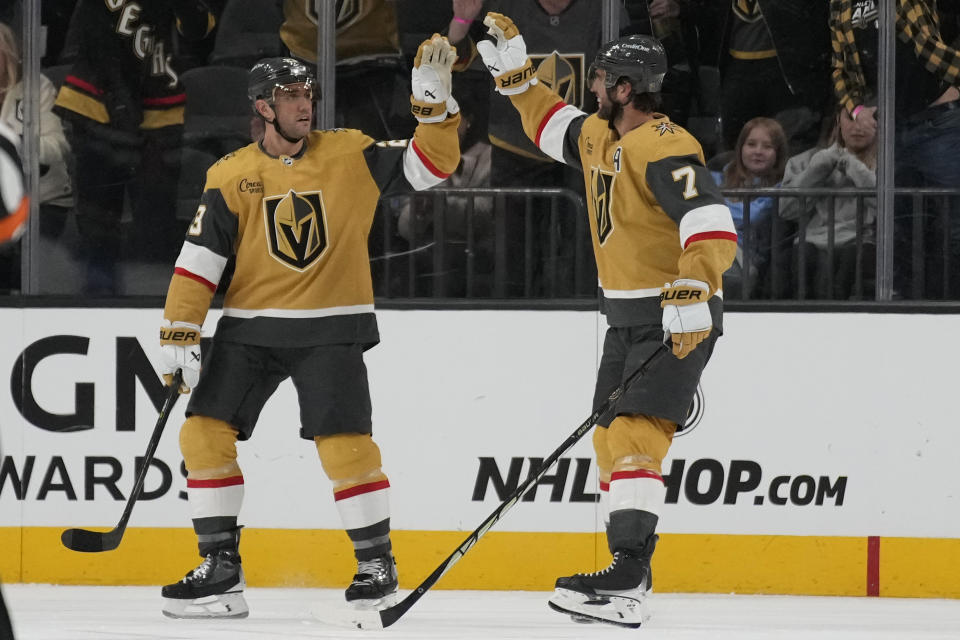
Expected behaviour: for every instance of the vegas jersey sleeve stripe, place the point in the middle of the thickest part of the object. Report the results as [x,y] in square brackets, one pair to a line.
[426,161]
[398,165]
[551,124]
[419,171]
[554,133]
[201,264]
[708,222]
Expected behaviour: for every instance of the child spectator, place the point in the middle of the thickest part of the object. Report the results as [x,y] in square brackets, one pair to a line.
[850,161]
[758,161]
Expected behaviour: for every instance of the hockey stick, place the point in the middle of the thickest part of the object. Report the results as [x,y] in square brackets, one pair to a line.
[89,541]
[386,617]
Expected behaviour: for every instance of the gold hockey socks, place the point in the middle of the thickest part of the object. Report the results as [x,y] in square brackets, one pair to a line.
[214,481]
[360,489]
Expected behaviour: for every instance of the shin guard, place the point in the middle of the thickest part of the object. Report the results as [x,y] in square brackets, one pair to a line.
[214,481]
[360,489]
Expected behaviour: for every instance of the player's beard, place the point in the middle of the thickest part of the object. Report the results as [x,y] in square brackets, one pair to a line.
[615,110]
[609,110]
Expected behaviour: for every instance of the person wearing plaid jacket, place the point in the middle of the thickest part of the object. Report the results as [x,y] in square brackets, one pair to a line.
[926,114]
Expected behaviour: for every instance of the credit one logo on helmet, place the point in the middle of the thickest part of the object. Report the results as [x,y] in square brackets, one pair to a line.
[296,228]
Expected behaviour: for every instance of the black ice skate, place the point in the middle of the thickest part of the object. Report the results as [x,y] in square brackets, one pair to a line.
[212,590]
[616,595]
[375,584]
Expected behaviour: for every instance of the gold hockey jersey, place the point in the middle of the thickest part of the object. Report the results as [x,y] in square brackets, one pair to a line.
[298,227]
[656,213]
[365,29]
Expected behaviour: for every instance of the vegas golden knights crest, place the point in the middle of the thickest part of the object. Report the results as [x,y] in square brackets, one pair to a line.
[347,11]
[296,228]
[563,73]
[747,10]
[601,187]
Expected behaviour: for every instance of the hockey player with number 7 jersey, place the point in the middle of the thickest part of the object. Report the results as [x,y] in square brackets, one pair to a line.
[295,211]
[662,237]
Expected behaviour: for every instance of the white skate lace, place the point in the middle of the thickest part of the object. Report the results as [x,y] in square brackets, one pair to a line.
[200,573]
[603,572]
[371,570]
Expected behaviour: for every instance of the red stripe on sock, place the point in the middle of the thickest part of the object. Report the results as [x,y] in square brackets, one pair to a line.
[214,483]
[639,473]
[873,566]
[361,489]
[604,486]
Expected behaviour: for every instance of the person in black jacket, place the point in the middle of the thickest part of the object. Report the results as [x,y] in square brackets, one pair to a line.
[125,104]
[774,59]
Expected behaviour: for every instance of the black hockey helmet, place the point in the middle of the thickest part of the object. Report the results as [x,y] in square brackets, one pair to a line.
[637,58]
[270,73]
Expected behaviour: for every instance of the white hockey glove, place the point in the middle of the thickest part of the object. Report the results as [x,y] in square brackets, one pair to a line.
[180,349]
[506,60]
[686,315]
[430,80]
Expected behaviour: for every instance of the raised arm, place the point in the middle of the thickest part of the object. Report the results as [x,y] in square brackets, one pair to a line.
[553,125]
[434,152]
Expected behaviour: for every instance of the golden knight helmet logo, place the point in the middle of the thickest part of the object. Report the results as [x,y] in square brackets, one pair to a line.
[296,228]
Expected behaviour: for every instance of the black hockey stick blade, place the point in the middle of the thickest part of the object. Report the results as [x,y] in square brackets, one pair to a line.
[91,541]
[386,617]
[88,541]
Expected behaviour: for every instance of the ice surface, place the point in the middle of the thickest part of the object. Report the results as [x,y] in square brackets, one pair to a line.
[44,612]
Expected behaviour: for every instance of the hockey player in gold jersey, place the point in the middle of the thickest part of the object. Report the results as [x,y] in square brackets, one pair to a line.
[663,237]
[295,211]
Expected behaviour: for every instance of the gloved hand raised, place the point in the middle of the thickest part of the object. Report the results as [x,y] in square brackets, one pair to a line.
[431,80]
[180,349]
[686,315]
[506,59]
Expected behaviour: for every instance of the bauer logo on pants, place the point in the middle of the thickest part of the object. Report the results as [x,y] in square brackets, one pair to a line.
[296,228]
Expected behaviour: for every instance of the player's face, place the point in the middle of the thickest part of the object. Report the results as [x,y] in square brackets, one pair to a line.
[599,89]
[293,104]
[759,153]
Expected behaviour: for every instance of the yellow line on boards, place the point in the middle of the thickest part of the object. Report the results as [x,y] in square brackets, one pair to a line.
[694,563]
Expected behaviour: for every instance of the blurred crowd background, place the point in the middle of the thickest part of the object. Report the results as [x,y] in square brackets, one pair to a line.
[832,128]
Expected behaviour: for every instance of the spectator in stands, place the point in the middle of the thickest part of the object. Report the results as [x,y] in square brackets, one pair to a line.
[55,196]
[926,113]
[673,23]
[125,106]
[849,161]
[371,80]
[774,62]
[562,37]
[758,161]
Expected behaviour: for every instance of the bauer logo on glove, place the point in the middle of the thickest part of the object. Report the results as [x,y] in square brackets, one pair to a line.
[686,315]
[506,59]
[180,350]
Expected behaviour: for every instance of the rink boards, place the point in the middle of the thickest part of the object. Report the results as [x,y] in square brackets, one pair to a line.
[822,463]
